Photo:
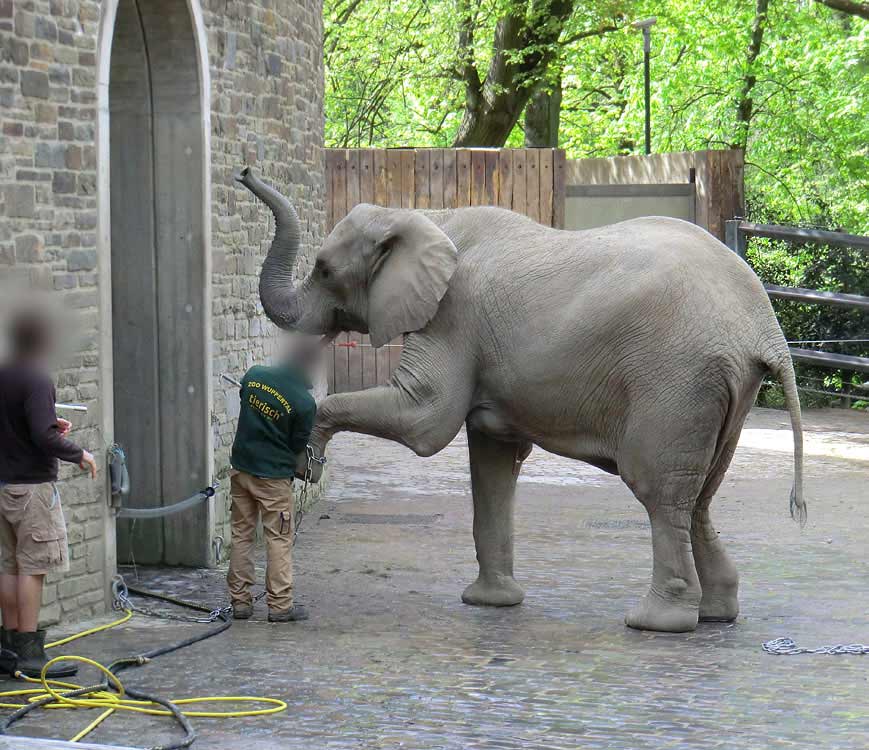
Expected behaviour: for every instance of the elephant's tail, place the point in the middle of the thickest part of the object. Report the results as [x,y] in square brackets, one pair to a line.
[782,369]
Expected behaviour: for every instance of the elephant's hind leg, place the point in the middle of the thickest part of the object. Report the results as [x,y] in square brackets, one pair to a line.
[668,489]
[718,576]
[673,600]
[494,470]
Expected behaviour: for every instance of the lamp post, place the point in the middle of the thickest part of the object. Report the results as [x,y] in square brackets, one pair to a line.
[646,25]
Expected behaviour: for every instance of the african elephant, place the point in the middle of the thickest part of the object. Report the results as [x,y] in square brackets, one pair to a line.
[638,348]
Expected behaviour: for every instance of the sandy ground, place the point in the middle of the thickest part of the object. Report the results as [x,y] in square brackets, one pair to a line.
[391,658]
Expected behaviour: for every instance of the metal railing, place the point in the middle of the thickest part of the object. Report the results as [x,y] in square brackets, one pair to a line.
[736,236]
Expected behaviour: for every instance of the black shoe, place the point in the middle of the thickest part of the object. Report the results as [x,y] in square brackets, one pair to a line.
[242,611]
[293,614]
[30,648]
[8,657]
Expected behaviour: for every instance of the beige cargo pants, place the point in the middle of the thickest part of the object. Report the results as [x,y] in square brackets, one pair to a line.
[272,499]
[32,530]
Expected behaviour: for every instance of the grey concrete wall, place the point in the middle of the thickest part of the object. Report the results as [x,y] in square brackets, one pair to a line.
[265,99]
[717,176]
[588,211]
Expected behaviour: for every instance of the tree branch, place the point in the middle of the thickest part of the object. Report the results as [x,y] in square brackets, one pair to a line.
[848,6]
[330,42]
[600,31]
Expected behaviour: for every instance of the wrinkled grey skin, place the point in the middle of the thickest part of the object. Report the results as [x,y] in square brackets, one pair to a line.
[638,348]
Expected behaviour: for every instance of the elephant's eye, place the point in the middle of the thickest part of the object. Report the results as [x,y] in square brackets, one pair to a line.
[323,269]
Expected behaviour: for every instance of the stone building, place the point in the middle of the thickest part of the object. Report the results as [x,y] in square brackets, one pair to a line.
[122,124]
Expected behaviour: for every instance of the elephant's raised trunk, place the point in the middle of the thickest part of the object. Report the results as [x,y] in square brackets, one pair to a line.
[276,290]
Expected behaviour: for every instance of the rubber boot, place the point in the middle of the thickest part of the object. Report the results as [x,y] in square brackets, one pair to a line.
[8,657]
[30,648]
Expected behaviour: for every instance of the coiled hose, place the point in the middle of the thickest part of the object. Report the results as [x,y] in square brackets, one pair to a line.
[109,695]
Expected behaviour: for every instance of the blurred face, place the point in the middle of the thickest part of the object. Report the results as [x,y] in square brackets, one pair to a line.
[33,327]
[31,335]
[304,352]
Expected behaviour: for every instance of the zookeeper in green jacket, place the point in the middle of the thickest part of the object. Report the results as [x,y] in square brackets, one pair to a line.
[275,422]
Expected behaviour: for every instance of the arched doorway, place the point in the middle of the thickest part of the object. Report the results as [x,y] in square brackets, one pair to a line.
[157,126]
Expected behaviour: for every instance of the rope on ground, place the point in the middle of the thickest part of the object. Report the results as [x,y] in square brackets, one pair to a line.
[111,695]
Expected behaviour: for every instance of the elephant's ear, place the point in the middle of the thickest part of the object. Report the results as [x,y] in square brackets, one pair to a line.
[412,267]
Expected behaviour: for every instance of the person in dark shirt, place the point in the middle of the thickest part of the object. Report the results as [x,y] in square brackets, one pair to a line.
[276,418]
[32,528]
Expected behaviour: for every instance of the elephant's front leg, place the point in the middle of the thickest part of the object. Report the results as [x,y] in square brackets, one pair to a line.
[494,470]
[424,424]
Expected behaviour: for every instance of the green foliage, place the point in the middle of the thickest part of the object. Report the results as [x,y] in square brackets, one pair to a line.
[835,269]
[393,79]
[393,66]
[807,149]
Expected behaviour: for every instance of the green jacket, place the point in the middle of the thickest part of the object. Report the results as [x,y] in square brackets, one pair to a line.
[277,414]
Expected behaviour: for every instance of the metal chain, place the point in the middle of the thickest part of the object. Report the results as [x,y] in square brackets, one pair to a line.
[211,617]
[788,647]
[121,602]
[303,495]
[120,594]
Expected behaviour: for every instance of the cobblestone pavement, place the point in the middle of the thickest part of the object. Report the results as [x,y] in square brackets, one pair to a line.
[391,658]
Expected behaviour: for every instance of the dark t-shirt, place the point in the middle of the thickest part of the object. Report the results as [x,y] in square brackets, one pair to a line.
[30,439]
[277,414]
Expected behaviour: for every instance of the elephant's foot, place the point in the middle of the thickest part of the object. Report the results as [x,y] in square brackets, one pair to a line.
[494,591]
[719,604]
[666,614]
[719,578]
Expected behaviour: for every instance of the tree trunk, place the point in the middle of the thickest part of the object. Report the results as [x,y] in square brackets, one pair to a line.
[493,107]
[745,104]
[543,116]
[523,48]
[489,126]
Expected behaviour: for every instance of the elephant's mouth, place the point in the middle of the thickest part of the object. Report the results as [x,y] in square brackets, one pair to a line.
[346,321]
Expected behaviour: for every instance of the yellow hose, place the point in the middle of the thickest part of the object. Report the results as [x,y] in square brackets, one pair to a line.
[93,725]
[111,702]
[84,633]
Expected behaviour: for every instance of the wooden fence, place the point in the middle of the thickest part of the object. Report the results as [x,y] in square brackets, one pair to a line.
[528,181]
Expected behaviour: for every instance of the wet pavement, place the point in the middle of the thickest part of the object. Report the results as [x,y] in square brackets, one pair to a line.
[390,657]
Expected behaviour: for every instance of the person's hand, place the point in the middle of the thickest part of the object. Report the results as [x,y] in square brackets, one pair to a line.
[88,463]
[65,426]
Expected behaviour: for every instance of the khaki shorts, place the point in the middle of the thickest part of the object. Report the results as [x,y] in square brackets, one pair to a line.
[32,530]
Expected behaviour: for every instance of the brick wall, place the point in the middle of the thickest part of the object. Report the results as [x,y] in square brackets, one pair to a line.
[48,236]
[266,110]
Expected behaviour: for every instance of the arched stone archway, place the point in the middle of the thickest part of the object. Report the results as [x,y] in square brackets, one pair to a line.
[154,222]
